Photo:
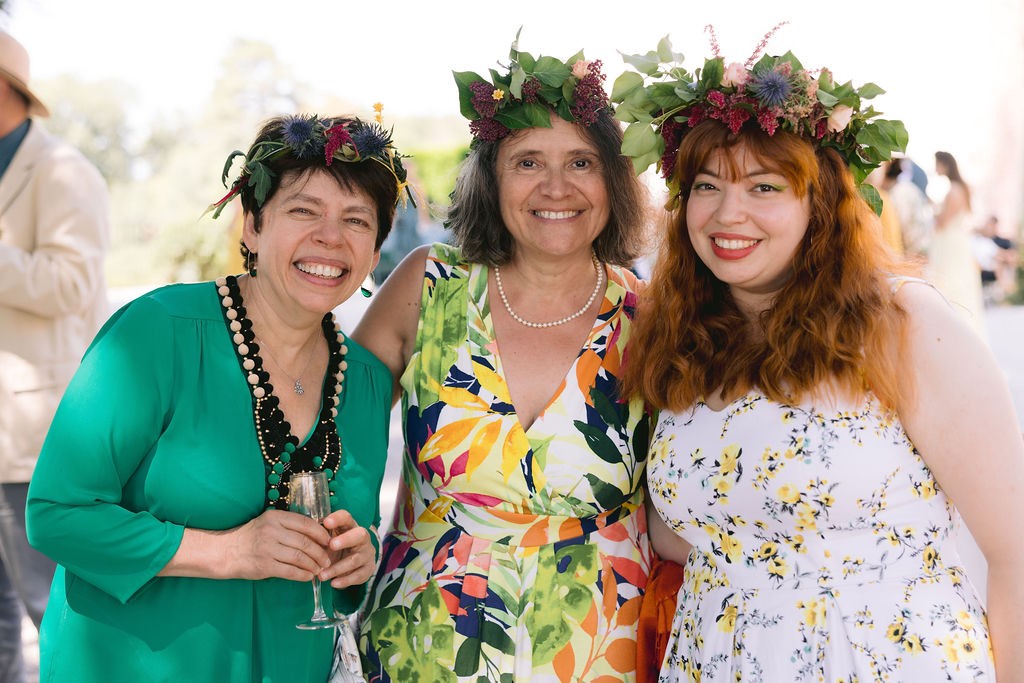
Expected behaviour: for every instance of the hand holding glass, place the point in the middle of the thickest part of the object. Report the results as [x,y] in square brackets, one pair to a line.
[308,495]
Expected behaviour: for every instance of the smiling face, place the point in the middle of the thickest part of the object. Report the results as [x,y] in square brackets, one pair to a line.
[746,222]
[552,190]
[316,243]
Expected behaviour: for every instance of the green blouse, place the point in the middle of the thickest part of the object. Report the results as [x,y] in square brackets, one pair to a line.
[156,434]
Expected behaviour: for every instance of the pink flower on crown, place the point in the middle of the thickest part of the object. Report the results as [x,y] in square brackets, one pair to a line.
[768,119]
[839,119]
[716,98]
[337,136]
[735,75]
[579,69]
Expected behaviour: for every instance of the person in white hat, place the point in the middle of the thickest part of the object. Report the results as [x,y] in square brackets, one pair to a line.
[54,224]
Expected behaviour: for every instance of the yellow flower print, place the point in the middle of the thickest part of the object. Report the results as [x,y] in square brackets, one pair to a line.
[912,644]
[930,557]
[892,537]
[827,500]
[814,612]
[665,489]
[721,485]
[662,450]
[925,489]
[727,461]
[960,648]
[767,551]
[727,619]
[788,494]
[805,518]
[896,632]
[732,548]
[778,567]
[965,620]
[797,543]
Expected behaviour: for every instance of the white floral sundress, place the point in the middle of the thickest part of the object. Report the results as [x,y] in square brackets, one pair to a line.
[823,550]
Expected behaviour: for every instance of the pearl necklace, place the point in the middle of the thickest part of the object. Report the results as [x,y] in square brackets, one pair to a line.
[560,321]
[281,450]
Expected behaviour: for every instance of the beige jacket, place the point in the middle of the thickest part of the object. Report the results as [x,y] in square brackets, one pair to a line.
[54,233]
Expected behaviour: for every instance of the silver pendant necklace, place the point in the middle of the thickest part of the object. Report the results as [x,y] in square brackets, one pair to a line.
[296,382]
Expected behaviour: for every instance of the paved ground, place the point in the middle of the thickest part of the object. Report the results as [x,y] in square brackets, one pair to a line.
[1006,337]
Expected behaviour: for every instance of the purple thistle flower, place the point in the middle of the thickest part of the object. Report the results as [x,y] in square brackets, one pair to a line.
[771,87]
[300,133]
[369,140]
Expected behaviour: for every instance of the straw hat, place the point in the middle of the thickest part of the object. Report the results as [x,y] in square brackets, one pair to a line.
[14,67]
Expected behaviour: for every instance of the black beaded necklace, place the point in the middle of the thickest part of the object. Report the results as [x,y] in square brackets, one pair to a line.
[282,454]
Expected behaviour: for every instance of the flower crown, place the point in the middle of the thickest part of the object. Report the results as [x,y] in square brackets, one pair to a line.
[307,137]
[775,91]
[531,89]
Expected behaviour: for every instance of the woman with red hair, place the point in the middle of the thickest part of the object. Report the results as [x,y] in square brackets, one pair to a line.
[820,409]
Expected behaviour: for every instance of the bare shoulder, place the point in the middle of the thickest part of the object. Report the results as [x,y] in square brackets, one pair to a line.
[406,280]
[388,328]
[930,314]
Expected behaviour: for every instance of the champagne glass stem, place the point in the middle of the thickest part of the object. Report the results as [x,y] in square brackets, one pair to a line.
[318,610]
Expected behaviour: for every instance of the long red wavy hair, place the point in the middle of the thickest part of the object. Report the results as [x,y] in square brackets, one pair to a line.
[833,326]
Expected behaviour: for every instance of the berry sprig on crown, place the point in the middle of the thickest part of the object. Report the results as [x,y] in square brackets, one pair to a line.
[529,91]
[661,101]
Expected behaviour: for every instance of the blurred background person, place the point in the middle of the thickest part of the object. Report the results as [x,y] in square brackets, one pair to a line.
[54,236]
[997,258]
[952,267]
[912,207]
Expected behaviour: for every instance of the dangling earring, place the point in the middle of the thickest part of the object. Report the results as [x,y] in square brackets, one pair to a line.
[366,292]
[250,263]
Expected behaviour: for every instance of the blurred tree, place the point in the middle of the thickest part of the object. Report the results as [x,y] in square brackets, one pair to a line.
[93,118]
[254,85]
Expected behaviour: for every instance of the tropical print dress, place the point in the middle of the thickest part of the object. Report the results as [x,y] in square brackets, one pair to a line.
[823,550]
[514,555]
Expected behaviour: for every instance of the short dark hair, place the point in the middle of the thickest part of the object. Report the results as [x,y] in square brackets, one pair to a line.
[474,216]
[376,180]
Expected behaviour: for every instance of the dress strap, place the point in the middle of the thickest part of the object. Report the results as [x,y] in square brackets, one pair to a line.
[897,281]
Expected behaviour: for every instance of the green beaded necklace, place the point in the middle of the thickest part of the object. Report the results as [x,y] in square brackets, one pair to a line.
[282,454]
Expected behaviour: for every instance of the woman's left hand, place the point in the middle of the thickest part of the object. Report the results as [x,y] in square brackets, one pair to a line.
[355,558]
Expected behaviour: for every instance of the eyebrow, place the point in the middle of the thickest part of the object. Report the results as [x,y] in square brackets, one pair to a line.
[303,197]
[583,151]
[752,174]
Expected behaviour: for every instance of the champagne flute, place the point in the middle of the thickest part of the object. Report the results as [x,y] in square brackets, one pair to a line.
[308,495]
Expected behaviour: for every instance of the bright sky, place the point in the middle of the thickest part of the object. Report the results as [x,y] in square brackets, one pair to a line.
[953,69]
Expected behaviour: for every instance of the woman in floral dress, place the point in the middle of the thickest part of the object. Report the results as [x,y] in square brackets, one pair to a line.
[820,414]
[519,549]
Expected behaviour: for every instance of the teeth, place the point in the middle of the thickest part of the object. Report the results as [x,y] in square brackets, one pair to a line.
[320,270]
[555,215]
[734,244]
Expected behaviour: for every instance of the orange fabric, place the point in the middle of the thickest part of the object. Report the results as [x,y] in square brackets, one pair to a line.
[656,613]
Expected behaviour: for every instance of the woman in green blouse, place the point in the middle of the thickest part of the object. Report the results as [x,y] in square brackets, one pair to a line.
[162,488]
